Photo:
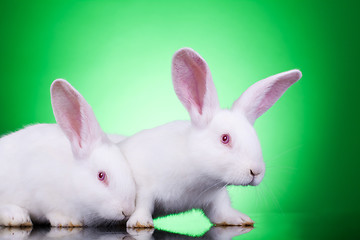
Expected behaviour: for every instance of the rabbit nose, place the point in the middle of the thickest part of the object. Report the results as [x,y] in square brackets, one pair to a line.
[126,213]
[126,217]
[254,172]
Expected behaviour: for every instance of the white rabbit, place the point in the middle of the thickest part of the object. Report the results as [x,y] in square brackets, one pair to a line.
[68,174]
[183,165]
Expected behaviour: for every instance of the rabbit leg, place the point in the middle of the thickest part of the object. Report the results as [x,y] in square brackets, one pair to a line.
[14,216]
[221,213]
[142,217]
[57,219]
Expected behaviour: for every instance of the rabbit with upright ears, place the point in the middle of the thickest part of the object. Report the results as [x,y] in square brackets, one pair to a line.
[69,174]
[188,164]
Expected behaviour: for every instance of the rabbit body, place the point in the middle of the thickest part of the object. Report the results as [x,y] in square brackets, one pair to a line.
[188,164]
[173,175]
[48,178]
[38,167]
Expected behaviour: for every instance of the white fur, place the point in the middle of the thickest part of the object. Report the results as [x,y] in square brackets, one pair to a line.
[48,178]
[183,164]
[116,138]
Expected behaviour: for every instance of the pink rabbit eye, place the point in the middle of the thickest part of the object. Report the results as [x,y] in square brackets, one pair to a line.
[102,176]
[225,138]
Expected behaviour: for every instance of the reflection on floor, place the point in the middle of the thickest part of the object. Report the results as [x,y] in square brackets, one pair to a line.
[273,226]
[222,233]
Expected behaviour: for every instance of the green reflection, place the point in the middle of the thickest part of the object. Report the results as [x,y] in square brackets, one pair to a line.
[191,223]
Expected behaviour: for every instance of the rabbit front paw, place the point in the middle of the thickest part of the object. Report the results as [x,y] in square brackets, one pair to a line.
[60,220]
[140,220]
[233,218]
[14,216]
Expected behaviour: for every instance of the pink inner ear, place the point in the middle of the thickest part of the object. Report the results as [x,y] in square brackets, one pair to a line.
[198,86]
[75,117]
[189,74]
[273,94]
[67,112]
[259,97]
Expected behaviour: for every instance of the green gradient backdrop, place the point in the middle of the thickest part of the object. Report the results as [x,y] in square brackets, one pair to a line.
[118,55]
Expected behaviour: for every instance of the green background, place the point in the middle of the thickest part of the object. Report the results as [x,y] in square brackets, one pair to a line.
[118,55]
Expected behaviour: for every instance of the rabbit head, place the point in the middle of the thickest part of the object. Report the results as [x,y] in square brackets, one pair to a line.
[223,141]
[102,178]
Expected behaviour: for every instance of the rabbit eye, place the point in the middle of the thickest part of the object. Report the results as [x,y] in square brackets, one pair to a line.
[225,138]
[102,176]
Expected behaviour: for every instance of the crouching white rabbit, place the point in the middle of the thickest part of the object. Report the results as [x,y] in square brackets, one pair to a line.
[188,164]
[69,174]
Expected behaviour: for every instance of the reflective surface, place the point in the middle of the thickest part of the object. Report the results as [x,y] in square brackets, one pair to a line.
[110,234]
[268,226]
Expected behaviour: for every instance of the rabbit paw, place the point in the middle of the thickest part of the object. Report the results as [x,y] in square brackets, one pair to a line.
[59,220]
[233,218]
[14,216]
[138,220]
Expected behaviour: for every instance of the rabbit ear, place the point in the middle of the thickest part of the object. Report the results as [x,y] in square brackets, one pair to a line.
[259,97]
[75,117]
[194,86]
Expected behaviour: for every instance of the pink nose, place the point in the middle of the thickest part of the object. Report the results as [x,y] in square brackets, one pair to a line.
[254,172]
[127,211]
